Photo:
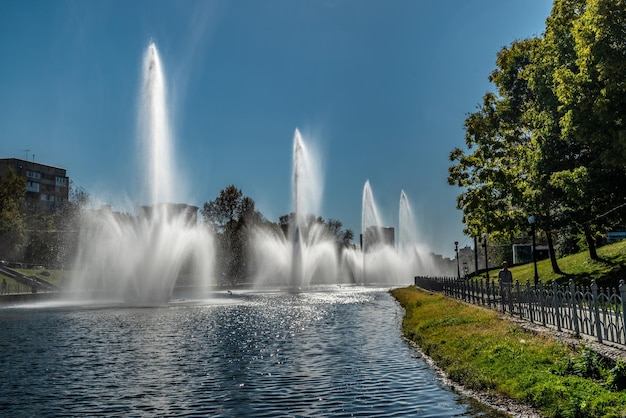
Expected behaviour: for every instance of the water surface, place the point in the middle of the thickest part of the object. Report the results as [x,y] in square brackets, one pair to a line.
[322,353]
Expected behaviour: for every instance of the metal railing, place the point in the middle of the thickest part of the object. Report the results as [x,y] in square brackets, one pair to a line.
[588,310]
[23,283]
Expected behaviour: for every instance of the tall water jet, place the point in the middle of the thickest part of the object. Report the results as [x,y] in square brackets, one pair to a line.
[406,224]
[304,254]
[369,214]
[154,128]
[139,258]
[416,253]
[374,234]
[299,203]
[374,244]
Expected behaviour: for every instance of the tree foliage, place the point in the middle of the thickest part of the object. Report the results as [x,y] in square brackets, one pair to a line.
[230,210]
[551,141]
[332,228]
[231,216]
[12,223]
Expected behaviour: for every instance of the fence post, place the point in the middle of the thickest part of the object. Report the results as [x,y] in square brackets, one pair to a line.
[622,294]
[596,309]
[529,298]
[542,302]
[572,289]
[502,295]
[511,293]
[483,289]
[557,304]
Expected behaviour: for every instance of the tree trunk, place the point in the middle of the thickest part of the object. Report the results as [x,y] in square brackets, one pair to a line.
[555,266]
[591,243]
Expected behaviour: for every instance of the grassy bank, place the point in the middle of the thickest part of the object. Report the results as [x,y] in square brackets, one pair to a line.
[579,267]
[482,351]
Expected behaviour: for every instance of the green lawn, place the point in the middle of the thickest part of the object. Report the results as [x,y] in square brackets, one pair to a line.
[578,267]
[483,351]
[52,276]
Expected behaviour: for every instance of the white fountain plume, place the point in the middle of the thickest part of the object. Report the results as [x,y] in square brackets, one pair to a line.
[306,180]
[417,255]
[155,132]
[406,224]
[369,215]
[141,258]
[306,255]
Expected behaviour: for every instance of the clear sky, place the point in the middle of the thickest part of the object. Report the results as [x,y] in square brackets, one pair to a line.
[380,88]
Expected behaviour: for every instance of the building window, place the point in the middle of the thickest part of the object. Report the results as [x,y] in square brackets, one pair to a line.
[33,174]
[61,181]
[32,186]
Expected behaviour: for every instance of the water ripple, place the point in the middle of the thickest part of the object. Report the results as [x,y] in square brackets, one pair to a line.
[263,355]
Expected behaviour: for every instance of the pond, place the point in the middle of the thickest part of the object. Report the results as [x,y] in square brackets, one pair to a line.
[261,354]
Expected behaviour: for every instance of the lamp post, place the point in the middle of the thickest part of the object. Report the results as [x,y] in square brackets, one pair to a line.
[458,268]
[531,221]
[485,235]
[475,254]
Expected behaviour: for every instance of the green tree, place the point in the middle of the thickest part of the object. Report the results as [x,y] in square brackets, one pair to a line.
[12,224]
[342,237]
[524,84]
[231,216]
[591,93]
[489,173]
[555,129]
[51,236]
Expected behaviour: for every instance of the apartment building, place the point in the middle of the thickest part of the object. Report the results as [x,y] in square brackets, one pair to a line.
[47,187]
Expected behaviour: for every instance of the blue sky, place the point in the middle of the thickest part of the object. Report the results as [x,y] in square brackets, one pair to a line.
[380,88]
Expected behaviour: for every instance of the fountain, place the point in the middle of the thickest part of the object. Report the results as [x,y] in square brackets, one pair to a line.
[419,254]
[142,257]
[306,255]
[139,258]
[383,261]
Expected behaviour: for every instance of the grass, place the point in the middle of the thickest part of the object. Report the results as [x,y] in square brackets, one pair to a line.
[481,351]
[578,267]
[52,276]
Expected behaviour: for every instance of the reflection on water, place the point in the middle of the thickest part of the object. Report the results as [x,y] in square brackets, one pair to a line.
[246,354]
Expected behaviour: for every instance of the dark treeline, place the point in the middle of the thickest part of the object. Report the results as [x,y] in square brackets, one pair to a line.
[550,142]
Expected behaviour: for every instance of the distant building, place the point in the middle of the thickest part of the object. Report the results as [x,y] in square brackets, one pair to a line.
[523,253]
[467,263]
[47,187]
[614,236]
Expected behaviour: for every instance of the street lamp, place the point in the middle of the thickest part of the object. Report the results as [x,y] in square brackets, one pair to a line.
[531,221]
[458,268]
[485,235]
[475,254]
